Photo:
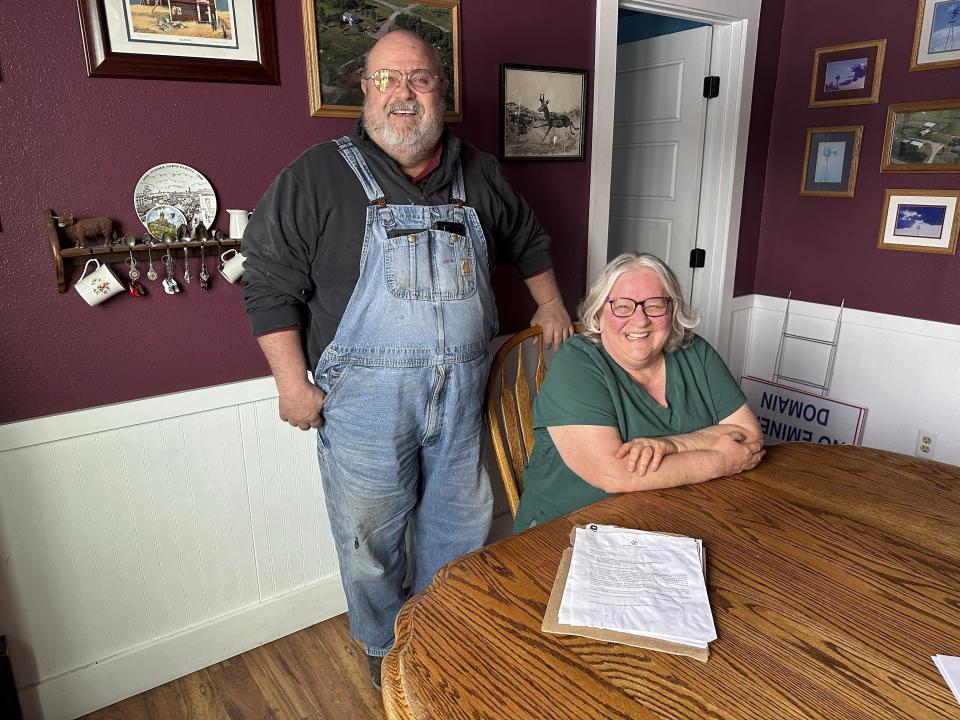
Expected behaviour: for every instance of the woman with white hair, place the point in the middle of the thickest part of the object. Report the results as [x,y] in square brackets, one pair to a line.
[638,401]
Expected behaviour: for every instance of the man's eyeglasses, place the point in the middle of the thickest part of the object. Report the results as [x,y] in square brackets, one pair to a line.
[652,307]
[387,80]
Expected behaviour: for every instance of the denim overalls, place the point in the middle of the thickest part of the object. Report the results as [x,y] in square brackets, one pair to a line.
[404,379]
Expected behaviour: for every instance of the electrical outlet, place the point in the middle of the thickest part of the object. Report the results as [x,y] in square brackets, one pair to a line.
[926,443]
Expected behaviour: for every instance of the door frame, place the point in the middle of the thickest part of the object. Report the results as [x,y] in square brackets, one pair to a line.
[733,57]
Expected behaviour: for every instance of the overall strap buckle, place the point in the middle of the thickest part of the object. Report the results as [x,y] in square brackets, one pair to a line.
[379,202]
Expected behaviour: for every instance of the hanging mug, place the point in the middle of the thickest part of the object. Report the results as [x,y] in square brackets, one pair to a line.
[238,222]
[232,266]
[98,285]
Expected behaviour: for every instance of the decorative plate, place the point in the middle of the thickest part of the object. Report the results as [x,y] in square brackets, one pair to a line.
[177,186]
[164,218]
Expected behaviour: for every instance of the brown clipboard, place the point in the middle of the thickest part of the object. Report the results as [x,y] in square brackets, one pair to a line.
[552,625]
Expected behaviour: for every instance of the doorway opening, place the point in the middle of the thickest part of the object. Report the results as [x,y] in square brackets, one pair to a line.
[656,168]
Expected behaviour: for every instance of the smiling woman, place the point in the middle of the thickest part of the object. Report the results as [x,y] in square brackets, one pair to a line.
[637,402]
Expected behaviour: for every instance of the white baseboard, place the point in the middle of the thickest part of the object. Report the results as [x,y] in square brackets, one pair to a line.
[105,682]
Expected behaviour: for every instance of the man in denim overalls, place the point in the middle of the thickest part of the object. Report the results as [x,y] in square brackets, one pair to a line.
[399,387]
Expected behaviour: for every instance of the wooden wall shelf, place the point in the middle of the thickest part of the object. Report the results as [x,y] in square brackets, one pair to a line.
[113,253]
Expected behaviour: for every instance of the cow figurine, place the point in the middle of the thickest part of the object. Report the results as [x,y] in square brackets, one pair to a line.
[79,231]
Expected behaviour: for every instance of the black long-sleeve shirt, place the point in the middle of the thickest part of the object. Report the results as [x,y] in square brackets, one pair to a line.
[303,243]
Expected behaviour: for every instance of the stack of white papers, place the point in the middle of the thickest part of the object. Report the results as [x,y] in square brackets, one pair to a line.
[949,667]
[638,582]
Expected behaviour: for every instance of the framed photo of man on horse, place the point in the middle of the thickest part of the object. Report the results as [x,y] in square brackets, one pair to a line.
[543,112]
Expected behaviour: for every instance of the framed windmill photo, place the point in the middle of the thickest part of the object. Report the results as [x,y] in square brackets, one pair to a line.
[920,221]
[543,112]
[936,40]
[830,161]
[847,74]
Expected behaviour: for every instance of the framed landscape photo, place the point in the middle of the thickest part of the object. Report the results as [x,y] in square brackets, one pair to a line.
[542,112]
[830,160]
[922,137]
[211,40]
[936,40]
[337,35]
[847,74]
[920,221]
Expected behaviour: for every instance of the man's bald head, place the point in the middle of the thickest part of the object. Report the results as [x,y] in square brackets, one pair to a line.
[402,43]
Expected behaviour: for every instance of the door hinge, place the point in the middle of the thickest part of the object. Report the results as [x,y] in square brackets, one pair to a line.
[698,257]
[711,86]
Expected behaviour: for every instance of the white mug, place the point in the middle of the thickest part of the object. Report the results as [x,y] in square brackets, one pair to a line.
[238,222]
[98,285]
[232,268]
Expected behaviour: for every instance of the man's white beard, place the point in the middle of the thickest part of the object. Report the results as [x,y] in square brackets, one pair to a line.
[409,146]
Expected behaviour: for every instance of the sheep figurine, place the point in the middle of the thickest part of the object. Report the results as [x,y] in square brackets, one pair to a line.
[79,231]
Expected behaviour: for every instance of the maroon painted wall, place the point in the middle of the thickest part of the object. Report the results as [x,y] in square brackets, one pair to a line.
[754,177]
[824,248]
[79,145]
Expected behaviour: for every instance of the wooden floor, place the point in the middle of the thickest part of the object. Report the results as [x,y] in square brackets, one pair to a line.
[319,673]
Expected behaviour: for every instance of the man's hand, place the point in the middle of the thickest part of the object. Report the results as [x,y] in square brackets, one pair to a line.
[551,315]
[302,405]
[553,318]
[645,454]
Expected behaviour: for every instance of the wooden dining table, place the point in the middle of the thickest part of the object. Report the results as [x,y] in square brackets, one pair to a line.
[833,574]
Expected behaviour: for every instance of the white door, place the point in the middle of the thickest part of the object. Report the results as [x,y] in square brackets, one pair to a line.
[659,119]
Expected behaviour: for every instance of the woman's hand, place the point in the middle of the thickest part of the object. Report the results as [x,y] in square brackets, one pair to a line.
[736,454]
[645,454]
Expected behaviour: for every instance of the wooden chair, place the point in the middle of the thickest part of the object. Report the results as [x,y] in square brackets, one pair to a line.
[509,406]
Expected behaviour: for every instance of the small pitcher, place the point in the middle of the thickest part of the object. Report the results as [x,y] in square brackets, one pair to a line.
[238,222]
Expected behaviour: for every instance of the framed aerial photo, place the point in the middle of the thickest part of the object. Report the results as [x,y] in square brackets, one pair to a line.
[922,137]
[210,40]
[936,40]
[830,160]
[337,36]
[920,221]
[847,74]
[542,112]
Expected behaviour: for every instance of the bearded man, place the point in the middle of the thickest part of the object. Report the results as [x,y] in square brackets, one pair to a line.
[369,261]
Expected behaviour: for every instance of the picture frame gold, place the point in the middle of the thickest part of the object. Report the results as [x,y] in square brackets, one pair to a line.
[841,179]
[860,68]
[335,50]
[923,221]
[928,130]
[936,37]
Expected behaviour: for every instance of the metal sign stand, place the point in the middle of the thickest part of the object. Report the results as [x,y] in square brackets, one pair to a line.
[823,387]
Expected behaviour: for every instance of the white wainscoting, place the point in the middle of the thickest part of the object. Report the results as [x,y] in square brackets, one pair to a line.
[906,372]
[142,541]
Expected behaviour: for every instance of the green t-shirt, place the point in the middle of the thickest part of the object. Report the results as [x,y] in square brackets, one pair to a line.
[585,386]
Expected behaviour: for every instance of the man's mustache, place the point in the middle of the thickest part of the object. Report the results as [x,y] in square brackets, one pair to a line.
[404,106]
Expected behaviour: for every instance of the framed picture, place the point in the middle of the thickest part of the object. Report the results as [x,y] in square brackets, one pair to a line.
[542,112]
[920,221]
[922,137]
[936,40]
[847,74]
[212,40]
[830,160]
[337,40]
